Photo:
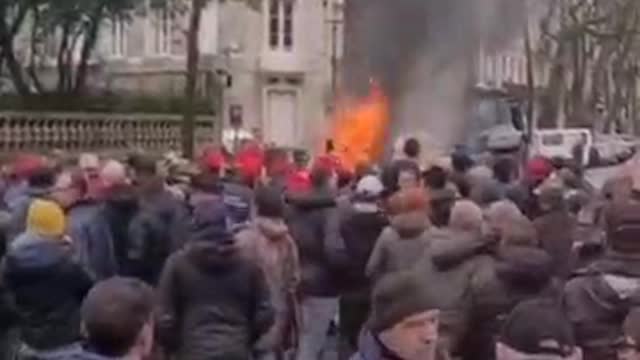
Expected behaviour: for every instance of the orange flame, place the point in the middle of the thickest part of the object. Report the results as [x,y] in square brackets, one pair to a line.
[359,128]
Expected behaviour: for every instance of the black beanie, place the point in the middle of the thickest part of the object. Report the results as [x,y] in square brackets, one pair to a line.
[398,296]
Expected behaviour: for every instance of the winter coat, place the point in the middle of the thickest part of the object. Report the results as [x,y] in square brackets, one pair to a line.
[370,348]
[518,274]
[598,299]
[239,200]
[556,232]
[360,227]
[159,227]
[118,211]
[38,269]
[400,245]
[314,224]
[91,239]
[214,304]
[268,243]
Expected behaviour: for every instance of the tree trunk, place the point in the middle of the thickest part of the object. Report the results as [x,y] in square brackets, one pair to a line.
[62,61]
[88,45]
[193,55]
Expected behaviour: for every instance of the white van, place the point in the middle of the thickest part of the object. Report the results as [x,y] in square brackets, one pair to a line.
[559,143]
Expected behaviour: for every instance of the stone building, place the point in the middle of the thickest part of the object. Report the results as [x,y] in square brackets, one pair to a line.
[274,61]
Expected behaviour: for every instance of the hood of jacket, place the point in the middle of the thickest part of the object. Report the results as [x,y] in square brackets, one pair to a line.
[411,224]
[213,255]
[30,254]
[273,229]
[450,248]
[524,267]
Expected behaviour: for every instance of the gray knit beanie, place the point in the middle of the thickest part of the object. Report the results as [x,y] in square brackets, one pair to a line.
[398,296]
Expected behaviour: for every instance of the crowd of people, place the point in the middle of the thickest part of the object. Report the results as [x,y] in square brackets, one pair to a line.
[268,254]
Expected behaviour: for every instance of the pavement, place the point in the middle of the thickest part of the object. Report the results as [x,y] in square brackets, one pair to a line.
[598,176]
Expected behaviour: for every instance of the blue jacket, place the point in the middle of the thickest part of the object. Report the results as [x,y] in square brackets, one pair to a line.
[19,208]
[92,240]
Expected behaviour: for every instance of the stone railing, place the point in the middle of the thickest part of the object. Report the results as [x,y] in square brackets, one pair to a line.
[25,131]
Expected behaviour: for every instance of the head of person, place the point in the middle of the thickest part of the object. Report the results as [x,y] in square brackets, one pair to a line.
[623,227]
[145,170]
[503,170]
[628,346]
[301,159]
[466,216]
[368,194]
[537,329]
[519,231]
[405,316]
[497,215]
[89,164]
[71,187]
[461,161]
[409,211]
[24,165]
[435,177]
[537,171]
[117,316]
[269,202]
[551,197]
[411,148]
[46,219]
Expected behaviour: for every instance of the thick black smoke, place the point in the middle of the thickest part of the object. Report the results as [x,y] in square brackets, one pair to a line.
[424,54]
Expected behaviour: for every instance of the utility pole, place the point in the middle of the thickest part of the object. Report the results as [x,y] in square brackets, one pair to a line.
[531,86]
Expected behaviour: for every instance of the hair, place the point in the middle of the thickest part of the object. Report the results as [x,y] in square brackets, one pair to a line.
[411,148]
[519,232]
[44,177]
[409,200]
[269,202]
[114,313]
[503,170]
[144,164]
[466,216]
[435,178]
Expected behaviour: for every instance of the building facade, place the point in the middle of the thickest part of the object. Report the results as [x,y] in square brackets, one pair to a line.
[274,63]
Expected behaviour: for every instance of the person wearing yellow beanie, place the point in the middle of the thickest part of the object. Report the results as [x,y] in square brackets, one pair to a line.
[46,218]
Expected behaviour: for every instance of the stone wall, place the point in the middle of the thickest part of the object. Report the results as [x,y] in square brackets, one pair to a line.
[24,131]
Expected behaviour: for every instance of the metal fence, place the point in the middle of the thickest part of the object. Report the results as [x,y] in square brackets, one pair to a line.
[26,131]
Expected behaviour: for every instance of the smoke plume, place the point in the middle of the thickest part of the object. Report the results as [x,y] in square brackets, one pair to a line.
[424,53]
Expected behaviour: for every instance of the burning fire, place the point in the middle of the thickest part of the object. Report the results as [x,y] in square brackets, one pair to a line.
[359,128]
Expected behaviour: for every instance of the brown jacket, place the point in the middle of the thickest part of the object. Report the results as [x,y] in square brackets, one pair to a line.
[268,243]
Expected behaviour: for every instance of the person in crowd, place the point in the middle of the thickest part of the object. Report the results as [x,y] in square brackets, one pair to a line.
[159,225]
[520,271]
[267,242]
[299,180]
[537,329]
[117,317]
[71,192]
[443,195]
[556,229]
[601,295]
[314,224]
[16,188]
[239,198]
[461,163]
[235,134]
[450,266]
[404,321]
[40,180]
[399,173]
[360,227]
[46,283]
[536,171]
[118,209]
[403,243]
[89,164]
[213,302]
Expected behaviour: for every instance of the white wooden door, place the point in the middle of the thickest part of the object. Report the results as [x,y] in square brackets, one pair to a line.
[282,121]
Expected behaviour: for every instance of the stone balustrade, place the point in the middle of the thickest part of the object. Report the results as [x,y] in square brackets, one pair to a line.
[26,131]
